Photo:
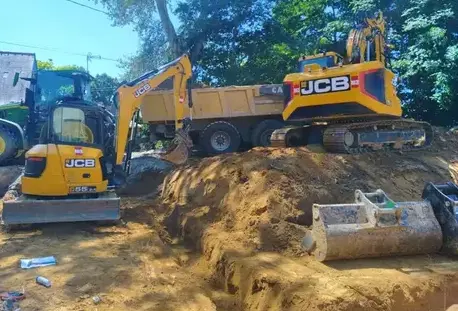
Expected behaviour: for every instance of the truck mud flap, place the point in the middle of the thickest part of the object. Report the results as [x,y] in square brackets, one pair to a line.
[444,200]
[32,211]
[373,226]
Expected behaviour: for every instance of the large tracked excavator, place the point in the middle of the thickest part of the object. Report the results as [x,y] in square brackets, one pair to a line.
[85,152]
[349,105]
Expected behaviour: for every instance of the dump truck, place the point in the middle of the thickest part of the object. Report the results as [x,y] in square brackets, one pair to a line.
[223,119]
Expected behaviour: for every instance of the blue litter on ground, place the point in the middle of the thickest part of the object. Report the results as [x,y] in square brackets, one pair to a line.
[38,262]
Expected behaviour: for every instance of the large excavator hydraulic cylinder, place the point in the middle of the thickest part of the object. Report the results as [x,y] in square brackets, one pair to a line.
[444,200]
[373,226]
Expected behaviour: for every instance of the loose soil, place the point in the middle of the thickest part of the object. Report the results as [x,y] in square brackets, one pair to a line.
[225,235]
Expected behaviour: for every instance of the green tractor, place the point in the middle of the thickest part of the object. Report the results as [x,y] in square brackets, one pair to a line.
[26,95]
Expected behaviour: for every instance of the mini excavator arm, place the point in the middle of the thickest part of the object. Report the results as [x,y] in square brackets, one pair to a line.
[130,97]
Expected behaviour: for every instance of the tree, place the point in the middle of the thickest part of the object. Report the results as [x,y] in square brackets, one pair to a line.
[49,65]
[215,25]
[151,55]
[428,61]
[103,87]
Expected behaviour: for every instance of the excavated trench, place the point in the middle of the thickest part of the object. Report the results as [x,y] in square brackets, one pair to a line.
[247,213]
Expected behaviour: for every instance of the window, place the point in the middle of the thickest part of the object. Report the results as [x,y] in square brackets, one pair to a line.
[74,125]
[327,61]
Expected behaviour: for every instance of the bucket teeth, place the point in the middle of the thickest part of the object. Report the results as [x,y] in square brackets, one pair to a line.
[444,200]
[374,226]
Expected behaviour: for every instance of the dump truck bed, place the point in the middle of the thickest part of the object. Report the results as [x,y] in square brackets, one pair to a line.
[224,102]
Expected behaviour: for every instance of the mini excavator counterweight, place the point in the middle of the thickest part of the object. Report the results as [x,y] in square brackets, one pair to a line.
[69,175]
[348,105]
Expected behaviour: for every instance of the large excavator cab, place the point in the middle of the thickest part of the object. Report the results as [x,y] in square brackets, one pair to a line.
[324,60]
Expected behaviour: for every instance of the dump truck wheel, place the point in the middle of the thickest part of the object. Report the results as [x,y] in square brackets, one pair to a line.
[8,145]
[220,137]
[262,132]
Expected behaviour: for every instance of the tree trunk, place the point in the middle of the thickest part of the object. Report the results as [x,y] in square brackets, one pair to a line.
[170,32]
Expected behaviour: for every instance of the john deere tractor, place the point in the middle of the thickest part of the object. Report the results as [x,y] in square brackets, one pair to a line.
[26,95]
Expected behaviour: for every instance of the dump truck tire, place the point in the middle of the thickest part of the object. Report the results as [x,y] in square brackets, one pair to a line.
[8,145]
[220,137]
[262,132]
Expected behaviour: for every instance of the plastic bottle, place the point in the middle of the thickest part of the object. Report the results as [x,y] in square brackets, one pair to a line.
[43,281]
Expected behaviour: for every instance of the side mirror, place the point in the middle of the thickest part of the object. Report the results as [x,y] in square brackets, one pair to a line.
[16,79]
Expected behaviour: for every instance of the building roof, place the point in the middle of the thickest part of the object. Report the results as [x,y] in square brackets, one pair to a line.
[11,62]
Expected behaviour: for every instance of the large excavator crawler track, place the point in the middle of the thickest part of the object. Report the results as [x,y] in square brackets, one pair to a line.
[384,135]
[358,137]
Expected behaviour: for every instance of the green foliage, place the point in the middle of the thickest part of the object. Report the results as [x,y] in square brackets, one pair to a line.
[49,65]
[103,87]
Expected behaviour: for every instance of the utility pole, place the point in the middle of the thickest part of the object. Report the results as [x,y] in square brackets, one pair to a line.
[89,58]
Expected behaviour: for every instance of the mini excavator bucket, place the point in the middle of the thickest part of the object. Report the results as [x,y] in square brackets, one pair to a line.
[373,226]
[178,152]
[444,200]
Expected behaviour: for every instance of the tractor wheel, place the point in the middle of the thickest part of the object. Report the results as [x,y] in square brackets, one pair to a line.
[8,145]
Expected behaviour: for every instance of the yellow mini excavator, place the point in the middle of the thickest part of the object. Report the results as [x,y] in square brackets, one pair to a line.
[349,105]
[71,175]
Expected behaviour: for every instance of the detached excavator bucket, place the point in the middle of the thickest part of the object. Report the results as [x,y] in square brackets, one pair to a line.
[373,226]
[178,152]
[444,200]
[32,211]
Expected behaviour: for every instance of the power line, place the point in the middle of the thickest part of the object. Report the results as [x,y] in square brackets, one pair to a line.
[41,48]
[87,6]
[56,50]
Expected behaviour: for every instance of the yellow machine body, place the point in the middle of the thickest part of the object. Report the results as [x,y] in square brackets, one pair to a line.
[359,90]
[349,105]
[58,179]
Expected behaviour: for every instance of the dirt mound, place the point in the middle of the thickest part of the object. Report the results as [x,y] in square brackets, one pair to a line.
[234,207]
[263,197]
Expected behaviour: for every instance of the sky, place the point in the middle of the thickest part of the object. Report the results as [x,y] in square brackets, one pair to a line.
[67,28]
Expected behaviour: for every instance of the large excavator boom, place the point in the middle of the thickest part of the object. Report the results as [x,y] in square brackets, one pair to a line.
[130,97]
[360,40]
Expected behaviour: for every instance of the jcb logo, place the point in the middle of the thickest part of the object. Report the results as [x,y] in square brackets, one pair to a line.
[336,84]
[79,163]
[142,90]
